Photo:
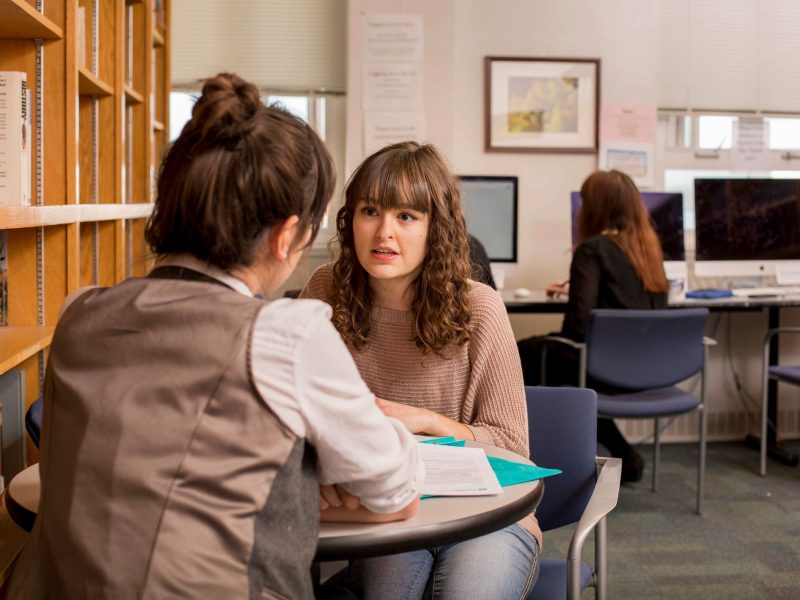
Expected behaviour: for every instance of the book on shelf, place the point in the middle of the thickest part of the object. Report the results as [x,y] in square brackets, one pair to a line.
[3,279]
[15,139]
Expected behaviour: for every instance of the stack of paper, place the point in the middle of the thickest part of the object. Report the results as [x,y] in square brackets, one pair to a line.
[454,471]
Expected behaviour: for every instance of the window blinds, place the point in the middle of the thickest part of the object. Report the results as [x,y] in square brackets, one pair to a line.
[729,55]
[284,45]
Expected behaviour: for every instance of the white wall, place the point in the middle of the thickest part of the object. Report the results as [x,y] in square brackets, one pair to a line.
[458,35]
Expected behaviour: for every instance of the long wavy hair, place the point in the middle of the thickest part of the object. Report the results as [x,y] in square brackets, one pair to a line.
[407,175]
[612,206]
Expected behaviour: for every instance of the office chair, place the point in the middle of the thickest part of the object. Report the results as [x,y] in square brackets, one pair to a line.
[33,420]
[562,428]
[634,358]
[774,373]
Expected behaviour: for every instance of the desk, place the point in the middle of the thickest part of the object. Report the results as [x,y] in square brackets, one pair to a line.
[538,303]
[439,520]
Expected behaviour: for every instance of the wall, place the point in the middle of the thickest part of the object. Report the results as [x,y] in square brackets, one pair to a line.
[458,35]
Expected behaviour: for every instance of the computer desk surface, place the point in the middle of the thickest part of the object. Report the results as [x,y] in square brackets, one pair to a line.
[538,302]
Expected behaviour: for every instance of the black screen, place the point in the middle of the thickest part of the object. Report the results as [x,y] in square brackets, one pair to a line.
[747,219]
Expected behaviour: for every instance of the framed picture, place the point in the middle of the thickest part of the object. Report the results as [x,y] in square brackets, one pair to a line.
[542,104]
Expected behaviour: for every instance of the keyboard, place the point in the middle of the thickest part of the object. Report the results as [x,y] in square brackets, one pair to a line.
[778,290]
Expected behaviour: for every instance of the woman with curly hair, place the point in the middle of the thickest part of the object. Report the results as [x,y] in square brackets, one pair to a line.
[437,350]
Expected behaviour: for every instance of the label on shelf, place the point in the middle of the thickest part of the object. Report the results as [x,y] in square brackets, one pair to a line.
[15,139]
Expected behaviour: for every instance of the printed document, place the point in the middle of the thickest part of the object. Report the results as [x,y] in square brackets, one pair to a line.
[454,471]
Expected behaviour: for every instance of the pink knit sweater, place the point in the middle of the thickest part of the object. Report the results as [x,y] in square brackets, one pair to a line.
[478,383]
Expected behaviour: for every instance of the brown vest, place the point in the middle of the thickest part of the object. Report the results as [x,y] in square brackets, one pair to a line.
[164,474]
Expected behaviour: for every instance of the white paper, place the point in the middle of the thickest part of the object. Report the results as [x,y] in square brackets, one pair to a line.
[392,37]
[385,128]
[456,471]
[750,148]
[635,159]
[392,86]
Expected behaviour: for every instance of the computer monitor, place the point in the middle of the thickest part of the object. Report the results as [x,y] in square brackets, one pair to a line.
[747,227]
[490,208]
[666,212]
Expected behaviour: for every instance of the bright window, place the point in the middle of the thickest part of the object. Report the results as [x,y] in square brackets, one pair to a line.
[715,131]
[180,111]
[784,133]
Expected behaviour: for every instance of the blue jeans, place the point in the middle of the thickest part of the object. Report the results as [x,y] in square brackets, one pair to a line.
[502,565]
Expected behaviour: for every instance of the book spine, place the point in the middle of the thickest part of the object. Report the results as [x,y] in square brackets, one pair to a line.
[3,279]
[15,140]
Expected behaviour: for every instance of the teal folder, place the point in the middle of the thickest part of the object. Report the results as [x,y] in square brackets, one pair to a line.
[508,472]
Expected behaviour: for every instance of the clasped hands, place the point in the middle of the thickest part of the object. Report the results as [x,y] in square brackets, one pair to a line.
[558,288]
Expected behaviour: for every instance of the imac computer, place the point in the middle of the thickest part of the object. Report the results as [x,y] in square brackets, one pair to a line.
[666,212]
[747,228]
[490,208]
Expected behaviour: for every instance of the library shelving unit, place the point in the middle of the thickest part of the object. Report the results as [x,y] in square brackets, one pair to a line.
[99,75]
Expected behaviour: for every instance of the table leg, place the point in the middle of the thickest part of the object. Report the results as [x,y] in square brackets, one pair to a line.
[774,448]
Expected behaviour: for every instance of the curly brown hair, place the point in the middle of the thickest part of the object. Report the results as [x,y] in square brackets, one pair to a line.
[408,175]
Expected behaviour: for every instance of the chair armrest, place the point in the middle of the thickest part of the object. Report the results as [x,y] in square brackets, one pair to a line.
[604,499]
[580,346]
[778,330]
[563,340]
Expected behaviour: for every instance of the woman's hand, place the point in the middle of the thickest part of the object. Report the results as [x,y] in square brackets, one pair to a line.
[416,420]
[558,288]
[422,420]
[333,496]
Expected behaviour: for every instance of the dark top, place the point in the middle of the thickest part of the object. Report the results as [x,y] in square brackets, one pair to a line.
[479,261]
[601,276]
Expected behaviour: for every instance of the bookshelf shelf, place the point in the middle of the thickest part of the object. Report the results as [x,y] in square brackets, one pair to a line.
[132,97]
[90,85]
[158,38]
[22,217]
[20,20]
[20,343]
[93,164]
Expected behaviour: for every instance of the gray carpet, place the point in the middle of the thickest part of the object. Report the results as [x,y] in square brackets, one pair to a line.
[746,545]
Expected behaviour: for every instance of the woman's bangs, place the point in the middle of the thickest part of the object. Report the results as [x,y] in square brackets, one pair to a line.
[394,191]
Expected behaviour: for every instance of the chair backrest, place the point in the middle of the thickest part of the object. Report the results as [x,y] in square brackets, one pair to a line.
[562,429]
[644,349]
[33,420]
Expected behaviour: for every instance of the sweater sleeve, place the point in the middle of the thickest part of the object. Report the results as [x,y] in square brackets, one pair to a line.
[495,408]
[318,287]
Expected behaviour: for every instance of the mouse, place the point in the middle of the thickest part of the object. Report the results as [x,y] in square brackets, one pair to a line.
[522,293]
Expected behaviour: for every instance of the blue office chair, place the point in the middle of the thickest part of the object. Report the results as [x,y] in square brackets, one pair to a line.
[641,355]
[562,428]
[33,420]
[775,373]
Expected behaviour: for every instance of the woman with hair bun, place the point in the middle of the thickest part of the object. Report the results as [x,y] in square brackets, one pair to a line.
[187,446]
[437,349]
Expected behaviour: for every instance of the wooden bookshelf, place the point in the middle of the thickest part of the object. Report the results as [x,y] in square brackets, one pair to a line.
[90,85]
[21,21]
[93,170]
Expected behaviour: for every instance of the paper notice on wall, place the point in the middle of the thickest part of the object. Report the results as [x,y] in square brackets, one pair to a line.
[392,38]
[392,83]
[392,86]
[628,122]
[750,147]
[386,128]
[635,159]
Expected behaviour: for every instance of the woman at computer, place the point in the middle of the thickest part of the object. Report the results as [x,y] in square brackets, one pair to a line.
[187,421]
[436,347]
[617,263]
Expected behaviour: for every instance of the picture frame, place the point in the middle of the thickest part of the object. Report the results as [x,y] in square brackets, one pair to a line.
[542,104]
